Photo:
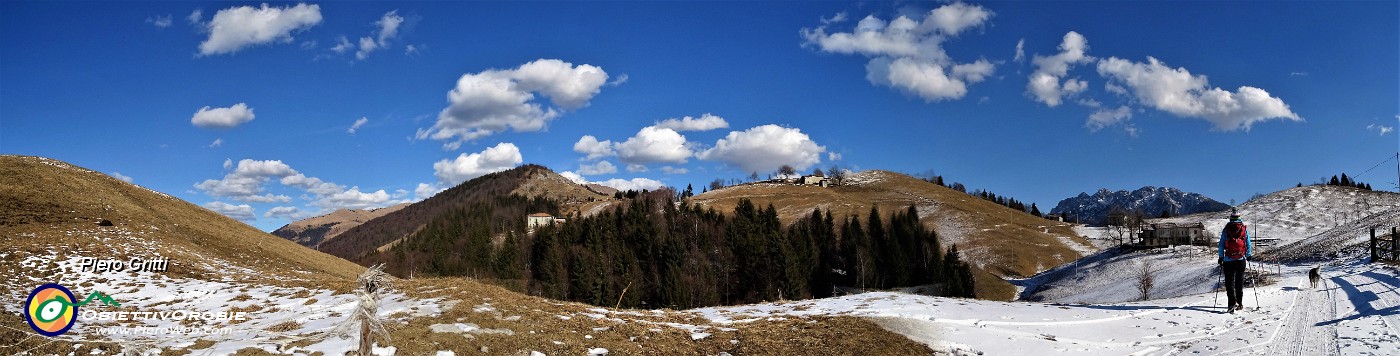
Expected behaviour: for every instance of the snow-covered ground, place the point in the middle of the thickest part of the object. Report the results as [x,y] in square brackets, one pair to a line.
[1354,312]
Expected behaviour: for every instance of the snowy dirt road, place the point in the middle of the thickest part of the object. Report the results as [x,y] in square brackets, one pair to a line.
[1354,312]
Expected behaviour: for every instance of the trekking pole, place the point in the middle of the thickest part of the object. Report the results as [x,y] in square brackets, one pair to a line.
[1216,302]
[1254,284]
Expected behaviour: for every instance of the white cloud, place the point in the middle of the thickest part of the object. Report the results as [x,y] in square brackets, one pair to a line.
[1177,91]
[654,145]
[425,190]
[602,167]
[195,17]
[234,28]
[593,148]
[621,79]
[674,170]
[1298,74]
[217,143]
[632,184]
[636,168]
[247,182]
[1045,84]
[242,212]
[833,156]
[765,148]
[388,29]
[617,183]
[575,177]
[705,122]
[492,101]
[222,118]
[907,55]
[1020,50]
[1382,129]
[355,199]
[121,177]
[1108,117]
[161,21]
[284,212]
[342,45]
[228,163]
[467,166]
[410,50]
[956,17]
[838,18]
[356,126]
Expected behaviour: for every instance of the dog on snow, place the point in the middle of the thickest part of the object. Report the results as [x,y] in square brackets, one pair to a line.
[1315,275]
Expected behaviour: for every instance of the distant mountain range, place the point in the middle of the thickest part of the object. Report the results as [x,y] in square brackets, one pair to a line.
[313,231]
[1150,201]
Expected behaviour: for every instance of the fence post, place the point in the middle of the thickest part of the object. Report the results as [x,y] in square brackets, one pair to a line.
[1373,245]
[1395,254]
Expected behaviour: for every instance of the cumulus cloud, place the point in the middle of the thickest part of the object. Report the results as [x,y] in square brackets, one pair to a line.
[765,148]
[1108,117]
[235,28]
[284,212]
[907,55]
[833,156]
[121,177]
[575,177]
[342,45]
[356,126]
[636,168]
[594,149]
[426,190]
[248,179]
[654,145]
[242,212]
[388,28]
[353,198]
[705,122]
[1045,83]
[1177,91]
[632,184]
[674,170]
[494,100]
[617,183]
[467,166]
[222,118]
[602,167]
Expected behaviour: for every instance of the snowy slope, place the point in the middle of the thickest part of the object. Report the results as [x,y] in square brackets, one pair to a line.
[1352,314]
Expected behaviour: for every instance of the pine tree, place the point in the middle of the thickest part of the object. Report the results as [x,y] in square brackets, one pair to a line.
[1036,211]
[1335,181]
[1345,181]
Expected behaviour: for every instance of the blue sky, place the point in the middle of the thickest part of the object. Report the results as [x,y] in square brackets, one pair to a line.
[247,109]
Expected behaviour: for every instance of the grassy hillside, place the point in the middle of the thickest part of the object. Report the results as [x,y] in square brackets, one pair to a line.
[295,295]
[558,196]
[1001,242]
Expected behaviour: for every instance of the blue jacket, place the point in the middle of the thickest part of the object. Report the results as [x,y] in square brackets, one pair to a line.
[1248,244]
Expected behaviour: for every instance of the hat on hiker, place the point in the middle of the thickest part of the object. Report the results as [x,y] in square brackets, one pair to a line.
[1234,215]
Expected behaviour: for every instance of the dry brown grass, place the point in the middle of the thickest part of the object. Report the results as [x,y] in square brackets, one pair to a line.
[40,202]
[535,325]
[41,198]
[999,241]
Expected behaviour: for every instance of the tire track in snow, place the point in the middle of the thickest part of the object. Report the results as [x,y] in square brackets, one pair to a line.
[1303,331]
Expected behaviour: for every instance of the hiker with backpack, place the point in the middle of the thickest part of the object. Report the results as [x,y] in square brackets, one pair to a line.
[1236,241]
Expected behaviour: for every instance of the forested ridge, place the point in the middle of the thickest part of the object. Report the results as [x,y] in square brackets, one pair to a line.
[649,251]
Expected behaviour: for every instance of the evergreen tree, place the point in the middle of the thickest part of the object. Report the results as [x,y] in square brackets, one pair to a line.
[1334,181]
[1036,211]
